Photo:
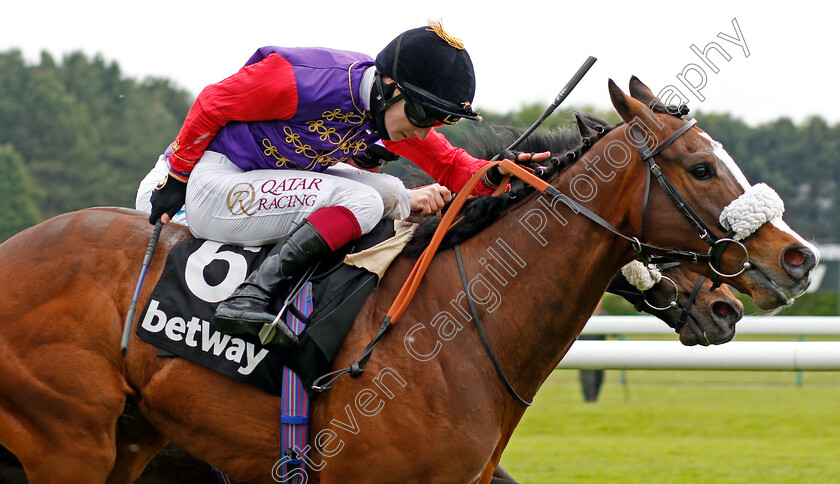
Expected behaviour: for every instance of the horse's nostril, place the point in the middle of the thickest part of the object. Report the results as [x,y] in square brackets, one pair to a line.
[795,257]
[798,261]
[722,309]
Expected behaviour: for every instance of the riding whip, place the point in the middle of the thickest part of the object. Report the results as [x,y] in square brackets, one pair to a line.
[561,96]
[129,318]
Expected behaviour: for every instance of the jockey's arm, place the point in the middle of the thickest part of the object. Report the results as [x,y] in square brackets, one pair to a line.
[450,166]
[264,90]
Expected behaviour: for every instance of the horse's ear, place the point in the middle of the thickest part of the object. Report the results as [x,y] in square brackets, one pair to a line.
[640,91]
[635,113]
[625,106]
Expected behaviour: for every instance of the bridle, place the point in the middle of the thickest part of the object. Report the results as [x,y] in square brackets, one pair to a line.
[638,297]
[652,254]
[685,310]
[645,252]
[717,245]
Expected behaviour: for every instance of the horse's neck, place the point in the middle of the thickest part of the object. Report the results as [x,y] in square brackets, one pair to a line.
[545,269]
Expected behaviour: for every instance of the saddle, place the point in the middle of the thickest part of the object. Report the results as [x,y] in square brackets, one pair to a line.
[337,299]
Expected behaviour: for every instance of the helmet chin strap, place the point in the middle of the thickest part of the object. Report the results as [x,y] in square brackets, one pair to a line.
[381,98]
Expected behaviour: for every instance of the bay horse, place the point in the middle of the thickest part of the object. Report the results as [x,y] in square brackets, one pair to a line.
[687,302]
[429,406]
[680,297]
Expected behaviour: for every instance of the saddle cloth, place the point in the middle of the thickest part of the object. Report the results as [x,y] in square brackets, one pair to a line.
[199,274]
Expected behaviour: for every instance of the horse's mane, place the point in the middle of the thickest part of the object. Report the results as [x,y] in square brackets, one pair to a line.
[566,145]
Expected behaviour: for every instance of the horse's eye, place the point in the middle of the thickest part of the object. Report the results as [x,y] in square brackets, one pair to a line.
[702,171]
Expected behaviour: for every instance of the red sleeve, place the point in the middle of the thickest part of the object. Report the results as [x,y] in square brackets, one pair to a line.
[451,167]
[265,90]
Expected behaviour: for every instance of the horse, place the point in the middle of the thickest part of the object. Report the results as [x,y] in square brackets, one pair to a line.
[687,302]
[680,296]
[429,405]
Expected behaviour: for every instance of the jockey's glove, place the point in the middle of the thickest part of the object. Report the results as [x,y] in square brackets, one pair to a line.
[494,176]
[167,198]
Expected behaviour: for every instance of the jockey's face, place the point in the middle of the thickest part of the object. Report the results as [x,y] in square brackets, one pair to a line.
[398,125]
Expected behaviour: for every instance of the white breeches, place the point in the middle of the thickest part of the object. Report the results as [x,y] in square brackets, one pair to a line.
[226,204]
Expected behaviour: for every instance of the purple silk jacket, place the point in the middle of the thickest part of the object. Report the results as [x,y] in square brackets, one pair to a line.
[329,125]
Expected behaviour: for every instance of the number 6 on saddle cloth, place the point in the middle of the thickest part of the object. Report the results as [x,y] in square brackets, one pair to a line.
[177,317]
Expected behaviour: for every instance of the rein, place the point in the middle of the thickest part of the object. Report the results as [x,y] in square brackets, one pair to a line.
[483,336]
[412,283]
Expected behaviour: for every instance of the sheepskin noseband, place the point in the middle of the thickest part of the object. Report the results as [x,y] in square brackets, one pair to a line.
[642,277]
[757,205]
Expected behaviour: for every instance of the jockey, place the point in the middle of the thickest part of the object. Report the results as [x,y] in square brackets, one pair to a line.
[288,150]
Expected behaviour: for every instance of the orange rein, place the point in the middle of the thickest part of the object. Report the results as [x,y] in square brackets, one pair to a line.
[411,284]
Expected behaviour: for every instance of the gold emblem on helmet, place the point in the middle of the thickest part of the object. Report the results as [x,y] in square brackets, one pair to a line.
[436,27]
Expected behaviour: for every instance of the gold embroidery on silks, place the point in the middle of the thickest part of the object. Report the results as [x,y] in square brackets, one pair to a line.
[300,148]
[356,147]
[333,136]
[352,94]
[326,134]
[326,160]
[337,115]
[282,161]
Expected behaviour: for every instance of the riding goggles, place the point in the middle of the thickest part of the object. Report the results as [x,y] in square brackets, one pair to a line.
[424,116]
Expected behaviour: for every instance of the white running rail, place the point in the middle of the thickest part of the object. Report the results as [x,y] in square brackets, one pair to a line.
[735,355]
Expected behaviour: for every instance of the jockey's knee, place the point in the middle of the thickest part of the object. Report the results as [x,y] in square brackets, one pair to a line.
[367,205]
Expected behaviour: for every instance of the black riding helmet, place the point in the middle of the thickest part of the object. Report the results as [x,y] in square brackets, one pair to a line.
[435,76]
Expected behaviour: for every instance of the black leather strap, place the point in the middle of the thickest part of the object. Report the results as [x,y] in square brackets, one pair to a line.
[481,334]
[686,316]
[644,250]
[679,201]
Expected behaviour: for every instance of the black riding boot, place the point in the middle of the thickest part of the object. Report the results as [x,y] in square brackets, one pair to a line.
[246,310]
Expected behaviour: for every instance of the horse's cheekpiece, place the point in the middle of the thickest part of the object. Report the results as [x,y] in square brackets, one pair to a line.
[742,217]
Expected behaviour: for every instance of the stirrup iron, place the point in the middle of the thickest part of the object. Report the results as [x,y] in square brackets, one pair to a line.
[269,330]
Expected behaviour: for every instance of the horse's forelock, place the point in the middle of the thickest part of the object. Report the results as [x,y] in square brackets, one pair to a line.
[675,111]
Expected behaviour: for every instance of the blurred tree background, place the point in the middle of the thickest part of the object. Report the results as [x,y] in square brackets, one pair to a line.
[86,135]
[78,133]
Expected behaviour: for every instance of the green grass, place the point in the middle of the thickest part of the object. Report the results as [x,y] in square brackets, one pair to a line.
[682,427]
